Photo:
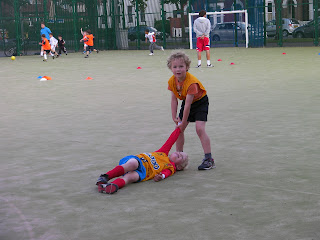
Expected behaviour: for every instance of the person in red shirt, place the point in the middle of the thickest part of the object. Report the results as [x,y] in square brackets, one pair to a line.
[156,165]
[45,46]
[88,39]
[195,104]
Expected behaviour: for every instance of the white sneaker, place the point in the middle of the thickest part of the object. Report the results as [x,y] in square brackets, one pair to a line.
[209,65]
[151,54]
[162,48]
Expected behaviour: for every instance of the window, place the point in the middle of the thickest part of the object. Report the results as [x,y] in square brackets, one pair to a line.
[130,8]
[270,7]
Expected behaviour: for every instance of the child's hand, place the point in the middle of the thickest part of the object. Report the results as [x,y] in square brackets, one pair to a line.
[182,126]
[157,177]
[176,120]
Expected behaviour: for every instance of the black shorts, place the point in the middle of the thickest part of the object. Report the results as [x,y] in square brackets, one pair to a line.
[47,51]
[89,48]
[198,111]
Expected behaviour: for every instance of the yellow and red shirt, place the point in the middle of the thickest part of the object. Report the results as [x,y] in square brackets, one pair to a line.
[190,85]
[155,163]
[158,161]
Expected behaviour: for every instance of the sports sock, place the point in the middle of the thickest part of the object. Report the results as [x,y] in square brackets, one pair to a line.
[199,62]
[45,56]
[120,182]
[116,172]
[207,156]
[41,53]
[208,62]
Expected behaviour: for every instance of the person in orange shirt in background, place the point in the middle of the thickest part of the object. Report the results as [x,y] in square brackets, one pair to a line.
[88,39]
[156,165]
[45,46]
[194,107]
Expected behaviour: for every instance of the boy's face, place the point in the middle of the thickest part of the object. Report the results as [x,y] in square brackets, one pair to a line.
[179,69]
[42,25]
[50,35]
[60,38]
[178,158]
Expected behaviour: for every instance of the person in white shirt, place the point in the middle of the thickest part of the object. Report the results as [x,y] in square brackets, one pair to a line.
[152,38]
[53,44]
[202,27]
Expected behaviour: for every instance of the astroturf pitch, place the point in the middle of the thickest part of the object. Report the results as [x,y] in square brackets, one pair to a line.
[58,136]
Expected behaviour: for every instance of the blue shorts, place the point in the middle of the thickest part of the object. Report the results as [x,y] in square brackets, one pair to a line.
[141,170]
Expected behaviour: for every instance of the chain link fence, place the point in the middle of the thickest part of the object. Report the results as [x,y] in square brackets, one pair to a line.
[120,24]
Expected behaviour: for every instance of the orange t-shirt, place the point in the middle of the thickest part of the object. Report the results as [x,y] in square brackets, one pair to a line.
[46,44]
[89,40]
[193,89]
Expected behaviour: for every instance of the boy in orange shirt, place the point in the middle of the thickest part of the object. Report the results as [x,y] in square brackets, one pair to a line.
[45,46]
[88,40]
[156,165]
[195,105]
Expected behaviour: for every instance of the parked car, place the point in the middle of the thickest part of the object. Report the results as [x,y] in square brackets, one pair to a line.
[306,31]
[132,33]
[226,31]
[288,26]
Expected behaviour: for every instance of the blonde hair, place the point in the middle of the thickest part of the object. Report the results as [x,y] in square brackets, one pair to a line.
[184,165]
[178,55]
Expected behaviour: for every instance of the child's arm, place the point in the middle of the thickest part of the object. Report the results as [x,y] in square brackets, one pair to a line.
[174,107]
[186,111]
[81,31]
[171,140]
[162,175]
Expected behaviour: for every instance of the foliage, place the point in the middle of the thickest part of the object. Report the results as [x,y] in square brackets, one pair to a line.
[158,26]
[179,3]
[142,4]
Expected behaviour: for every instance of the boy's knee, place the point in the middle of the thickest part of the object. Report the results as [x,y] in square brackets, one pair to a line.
[134,163]
[200,129]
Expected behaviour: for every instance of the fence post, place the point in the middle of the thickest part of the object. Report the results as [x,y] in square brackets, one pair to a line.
[316,22]
[113,25]
[279,21]
[17,25]
[235,24]
[45,10]
[163,17]
[105,16]
[75,28]
[123,16]
[264,24]
[138,26]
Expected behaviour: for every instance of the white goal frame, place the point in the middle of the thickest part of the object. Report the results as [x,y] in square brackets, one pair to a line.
[220,13]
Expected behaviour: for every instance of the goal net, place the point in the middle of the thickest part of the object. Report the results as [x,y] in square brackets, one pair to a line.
[228,29]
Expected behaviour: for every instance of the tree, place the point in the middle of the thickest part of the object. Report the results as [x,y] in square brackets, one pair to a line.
[180,4]
[142,4]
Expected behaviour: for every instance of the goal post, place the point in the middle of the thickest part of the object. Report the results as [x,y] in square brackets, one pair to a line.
[223,18]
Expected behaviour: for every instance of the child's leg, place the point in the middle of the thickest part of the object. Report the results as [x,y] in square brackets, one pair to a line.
[199,58]
[119,183]
[157,46]
[45,56]
[151,47]
[180,141]
[208,162]
[204,138]
[131,165]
